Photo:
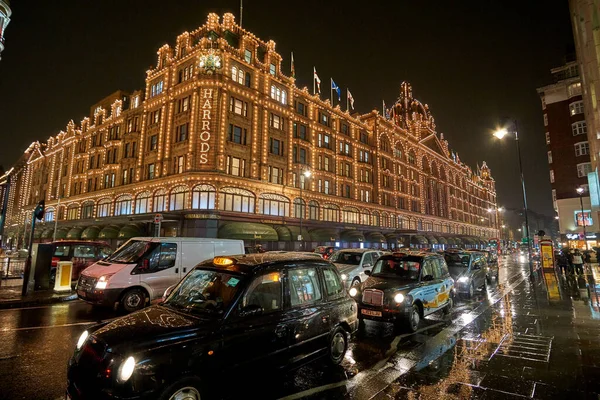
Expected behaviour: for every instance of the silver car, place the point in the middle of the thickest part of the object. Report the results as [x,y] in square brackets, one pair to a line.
[352,264]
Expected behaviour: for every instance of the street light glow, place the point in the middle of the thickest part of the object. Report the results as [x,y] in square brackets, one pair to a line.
[503,226]
[500,133]
[500,209]
[307,173]
[490,210]
[580,190]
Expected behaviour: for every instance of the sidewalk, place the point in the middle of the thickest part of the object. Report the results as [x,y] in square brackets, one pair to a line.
[10,297]
[540,340]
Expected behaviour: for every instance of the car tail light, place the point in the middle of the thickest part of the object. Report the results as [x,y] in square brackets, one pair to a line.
[55,261]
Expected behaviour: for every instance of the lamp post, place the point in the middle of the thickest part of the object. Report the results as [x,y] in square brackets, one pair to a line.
[580,192]
[306,175]
[501,133]
[56,214]
[498,210]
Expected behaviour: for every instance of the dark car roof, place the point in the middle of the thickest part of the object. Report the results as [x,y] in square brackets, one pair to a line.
[253,263]
[79,242]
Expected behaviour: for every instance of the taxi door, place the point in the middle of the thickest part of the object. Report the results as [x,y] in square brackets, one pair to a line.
[430,286]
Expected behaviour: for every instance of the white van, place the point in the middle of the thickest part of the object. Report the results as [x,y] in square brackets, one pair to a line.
[143,268]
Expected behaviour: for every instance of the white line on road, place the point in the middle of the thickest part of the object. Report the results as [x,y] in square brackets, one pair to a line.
[25,328]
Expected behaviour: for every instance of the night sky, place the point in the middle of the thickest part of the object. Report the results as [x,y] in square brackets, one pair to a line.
[473,62]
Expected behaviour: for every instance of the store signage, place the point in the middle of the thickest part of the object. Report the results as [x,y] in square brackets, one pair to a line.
[202,216]
[572,236]
[585,216]
[271,221]
[590,236]
[207,95]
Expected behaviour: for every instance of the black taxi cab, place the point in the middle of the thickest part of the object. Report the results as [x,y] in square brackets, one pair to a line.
[405,287]
[229,314]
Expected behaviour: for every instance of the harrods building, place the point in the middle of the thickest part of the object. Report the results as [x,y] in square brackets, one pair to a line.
[219,144]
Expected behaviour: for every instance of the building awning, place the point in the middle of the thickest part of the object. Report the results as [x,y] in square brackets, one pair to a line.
[467,240]
[247,231]
[324,235]
[352,236]
[109,232]
[61,233]
[283,233]
[458,241]
[432,239]
[47,233]
[451,241]
[295,231]
[442,240]
[37,234]
[129,231]
[91,233]
[75,233]
[418,239]
[376,237]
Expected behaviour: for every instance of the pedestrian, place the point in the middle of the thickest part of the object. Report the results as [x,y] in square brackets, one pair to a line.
[563,262]
[577,261]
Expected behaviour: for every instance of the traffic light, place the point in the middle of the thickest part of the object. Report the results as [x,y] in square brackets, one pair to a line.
[39,210]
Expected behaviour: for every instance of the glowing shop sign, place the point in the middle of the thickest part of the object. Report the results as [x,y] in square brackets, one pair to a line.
[205,120]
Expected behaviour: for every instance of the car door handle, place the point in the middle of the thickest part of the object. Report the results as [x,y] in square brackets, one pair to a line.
[176,270]
[325,318]
[281,330]
[185,270]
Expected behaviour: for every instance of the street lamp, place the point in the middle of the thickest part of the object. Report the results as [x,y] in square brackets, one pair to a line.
[498,210]
[500,134]
[580,192]
[301,183]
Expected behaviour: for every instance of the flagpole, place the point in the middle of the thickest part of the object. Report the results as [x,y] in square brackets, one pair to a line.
[241,11]
[347,107]
[331,91]
[314,73]
[383,108]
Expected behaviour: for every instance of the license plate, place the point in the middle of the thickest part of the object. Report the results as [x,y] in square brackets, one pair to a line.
[371,313]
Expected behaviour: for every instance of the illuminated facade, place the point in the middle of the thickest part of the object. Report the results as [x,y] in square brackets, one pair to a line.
[219,143]
[5,14]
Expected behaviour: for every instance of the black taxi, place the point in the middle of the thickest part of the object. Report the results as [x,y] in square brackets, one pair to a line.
[229,314]
[405,287]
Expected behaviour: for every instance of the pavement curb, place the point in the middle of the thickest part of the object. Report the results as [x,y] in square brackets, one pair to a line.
[36,302]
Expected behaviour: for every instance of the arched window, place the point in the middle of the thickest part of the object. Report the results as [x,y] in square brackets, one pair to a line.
[425,166]
[103,209]
[365,217]
[72,211]
[392,221]
[87,210]
[273,204]
[141,203]
[375,220]
[385,144]
[178,198]
[158,202]
[411,158]
[313,210]
[299,208]
[331,213]
[398,152]
[123,205]
[49,215]
[203,197]
[384,219]
[350,215]
[234,199]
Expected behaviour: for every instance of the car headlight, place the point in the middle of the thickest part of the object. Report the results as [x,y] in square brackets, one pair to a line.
[399,298]
[126,369]
[344,277]
[102,282]
[463,279]
[353,291]
[82,339]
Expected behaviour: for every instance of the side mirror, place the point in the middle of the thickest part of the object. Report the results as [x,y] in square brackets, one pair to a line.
[145,264]
[168,292]
[251,310]
[368,272]
[428,278]
[476,267]
[368,265]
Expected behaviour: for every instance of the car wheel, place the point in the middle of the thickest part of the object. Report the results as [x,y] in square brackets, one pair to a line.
[414,319]
[185,389]
[338,344]
[133,300]
[355,282]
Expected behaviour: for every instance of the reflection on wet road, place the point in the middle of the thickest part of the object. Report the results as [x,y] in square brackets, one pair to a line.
[516,339]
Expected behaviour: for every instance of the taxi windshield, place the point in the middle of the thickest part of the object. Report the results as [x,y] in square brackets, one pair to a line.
[457,260]
[205,292]
[346,257]
[401,268]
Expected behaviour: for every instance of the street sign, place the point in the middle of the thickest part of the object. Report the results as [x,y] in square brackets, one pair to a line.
[524,240]
[158,218]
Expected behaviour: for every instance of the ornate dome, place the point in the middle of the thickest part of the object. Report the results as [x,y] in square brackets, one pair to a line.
[408,110]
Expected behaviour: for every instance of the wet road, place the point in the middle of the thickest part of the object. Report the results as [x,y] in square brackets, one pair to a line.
[517,339]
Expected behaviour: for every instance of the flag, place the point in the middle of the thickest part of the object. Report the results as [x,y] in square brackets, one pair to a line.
[337,89]
[316,78]
[350,98]
[386,112]
[293,68]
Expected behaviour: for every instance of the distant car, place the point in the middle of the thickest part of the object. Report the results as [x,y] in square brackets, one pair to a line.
[250,250]
[405,288]
[492,268]
[228,315]
[325,251]
[354,263]
[82,253]
[469,270]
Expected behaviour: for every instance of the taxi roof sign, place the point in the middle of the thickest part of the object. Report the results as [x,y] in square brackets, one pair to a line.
[222,261]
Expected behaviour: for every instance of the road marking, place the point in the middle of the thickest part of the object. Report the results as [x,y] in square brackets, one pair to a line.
[313,391]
